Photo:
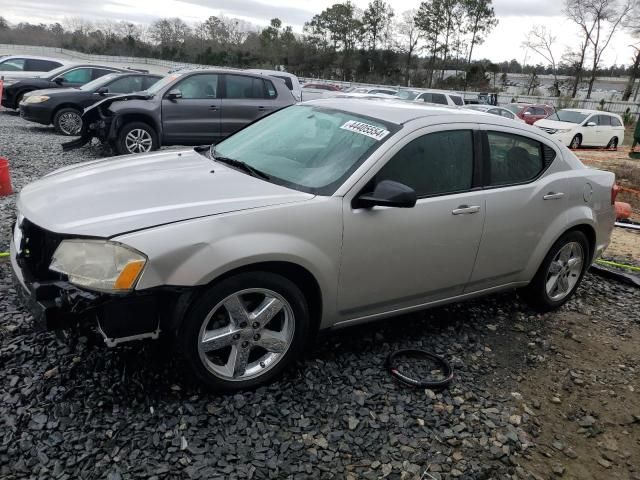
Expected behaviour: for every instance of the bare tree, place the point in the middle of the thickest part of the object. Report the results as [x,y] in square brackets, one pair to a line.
[633,25]
[542,41]
[407,39]
[579,12]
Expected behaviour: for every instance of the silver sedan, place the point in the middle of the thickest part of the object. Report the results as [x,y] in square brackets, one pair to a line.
[323,215]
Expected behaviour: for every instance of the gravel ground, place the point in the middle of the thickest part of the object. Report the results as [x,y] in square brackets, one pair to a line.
[75,409]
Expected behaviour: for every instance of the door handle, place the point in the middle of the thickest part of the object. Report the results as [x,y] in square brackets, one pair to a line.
[553,196]
[213,108]
[466,210]
[262,109]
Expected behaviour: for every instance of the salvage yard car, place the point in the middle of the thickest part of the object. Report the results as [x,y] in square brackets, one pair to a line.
[322,215]
[72,75]
[63,107]
[577,128]
[190,107]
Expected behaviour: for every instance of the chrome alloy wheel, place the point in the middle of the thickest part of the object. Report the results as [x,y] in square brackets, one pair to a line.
[138,141]
[70,123]
[564,271]
[246,334]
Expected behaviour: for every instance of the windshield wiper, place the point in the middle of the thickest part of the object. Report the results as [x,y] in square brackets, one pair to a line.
[239,164]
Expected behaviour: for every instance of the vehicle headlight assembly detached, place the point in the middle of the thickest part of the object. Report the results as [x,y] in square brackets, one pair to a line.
[36,99]
[99,265]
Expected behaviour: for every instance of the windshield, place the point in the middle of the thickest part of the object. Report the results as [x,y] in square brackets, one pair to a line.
[514,108]
[407,94]
[58,71]
[163,82]
[308,148]
[568,116]
[98,82]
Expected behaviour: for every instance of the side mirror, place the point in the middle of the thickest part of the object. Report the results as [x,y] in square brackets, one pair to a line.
[59,80]
[590,124]
[102,91]
[174,94]
[387,193]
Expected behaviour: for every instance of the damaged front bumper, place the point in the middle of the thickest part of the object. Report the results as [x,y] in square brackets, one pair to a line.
[56,304]
[98,121]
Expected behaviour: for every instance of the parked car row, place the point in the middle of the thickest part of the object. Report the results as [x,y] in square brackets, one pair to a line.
[133,113]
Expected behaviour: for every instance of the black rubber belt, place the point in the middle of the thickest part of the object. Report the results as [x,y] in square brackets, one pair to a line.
[412,382]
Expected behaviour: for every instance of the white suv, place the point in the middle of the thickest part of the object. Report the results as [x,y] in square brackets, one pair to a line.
[584,128]
[438,97]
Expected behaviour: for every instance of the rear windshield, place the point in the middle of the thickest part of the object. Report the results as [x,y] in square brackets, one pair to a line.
[407,94]
[568,116]
[287,81]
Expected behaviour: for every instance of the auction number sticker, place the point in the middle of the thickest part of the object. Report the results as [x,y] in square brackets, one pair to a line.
[371,131]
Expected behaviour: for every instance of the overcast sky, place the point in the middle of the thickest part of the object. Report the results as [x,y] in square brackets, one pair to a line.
[516,18]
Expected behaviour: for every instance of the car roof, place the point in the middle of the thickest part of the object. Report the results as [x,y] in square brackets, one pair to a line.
[586,111]
[37,57]
[390,109]
[270,72]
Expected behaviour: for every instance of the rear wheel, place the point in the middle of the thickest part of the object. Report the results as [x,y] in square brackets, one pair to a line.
[560,273]
[136,137]
[613,143]
[244,331]
[68,121]
[576,141]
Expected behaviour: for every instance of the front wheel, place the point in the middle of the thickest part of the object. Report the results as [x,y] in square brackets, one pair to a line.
[244,331]
[576,141]
[68,121]
[136,137]
[560,273]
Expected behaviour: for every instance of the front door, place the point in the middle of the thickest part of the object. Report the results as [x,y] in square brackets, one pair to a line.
[525,197]
[195,117]
[395,257]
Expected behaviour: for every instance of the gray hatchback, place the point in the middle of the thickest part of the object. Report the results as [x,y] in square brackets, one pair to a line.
[191,107]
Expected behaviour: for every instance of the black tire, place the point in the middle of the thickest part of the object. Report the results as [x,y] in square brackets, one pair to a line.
[613,143]
[62,128]
[188,336]
[121,141]
[576,142]
[19,98]
[536,292]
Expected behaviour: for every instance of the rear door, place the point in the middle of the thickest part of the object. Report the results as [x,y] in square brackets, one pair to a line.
[604,130]
[245,99]
[525,195]
[194,118]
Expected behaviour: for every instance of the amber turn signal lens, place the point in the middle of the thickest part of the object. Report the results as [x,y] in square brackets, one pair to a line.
[127,278]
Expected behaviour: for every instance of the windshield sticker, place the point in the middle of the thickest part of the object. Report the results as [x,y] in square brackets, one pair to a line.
[371,131]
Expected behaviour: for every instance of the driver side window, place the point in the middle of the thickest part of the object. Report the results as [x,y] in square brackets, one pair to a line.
[434,164]
[203,86]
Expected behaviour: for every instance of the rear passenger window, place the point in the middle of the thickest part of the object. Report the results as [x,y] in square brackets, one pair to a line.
[269,89]
[515,159]
[615,122]
[457,100]
[34,65]
[239,86]
[434,164]
[439,98]
[604,120]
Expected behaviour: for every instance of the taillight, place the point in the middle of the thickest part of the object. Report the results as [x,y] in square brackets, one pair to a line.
[614,193]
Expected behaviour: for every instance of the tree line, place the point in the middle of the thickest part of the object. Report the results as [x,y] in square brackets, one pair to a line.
[430,46]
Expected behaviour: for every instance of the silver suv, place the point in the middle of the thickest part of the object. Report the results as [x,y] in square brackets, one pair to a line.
[322,215]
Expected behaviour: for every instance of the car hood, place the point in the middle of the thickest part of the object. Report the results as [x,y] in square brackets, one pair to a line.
[52,91]
[555,124]
[109,197]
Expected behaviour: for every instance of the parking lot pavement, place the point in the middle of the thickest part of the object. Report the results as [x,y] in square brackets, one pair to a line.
[533,394]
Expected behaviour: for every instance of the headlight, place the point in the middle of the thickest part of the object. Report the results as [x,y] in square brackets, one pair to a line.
[36,99]
[564,130]
[98,264]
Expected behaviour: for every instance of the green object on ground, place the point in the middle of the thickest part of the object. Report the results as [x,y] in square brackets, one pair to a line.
[619,265]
